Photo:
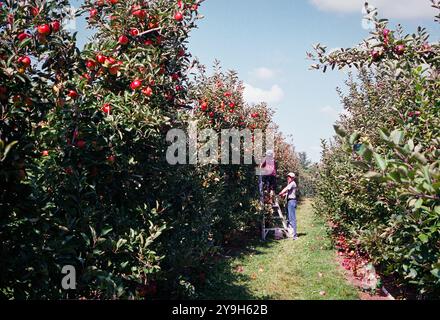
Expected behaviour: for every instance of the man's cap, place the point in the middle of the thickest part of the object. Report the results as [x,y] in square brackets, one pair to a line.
[292,175]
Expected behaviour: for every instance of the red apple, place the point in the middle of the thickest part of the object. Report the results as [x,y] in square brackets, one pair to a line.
[140,14]
[427,47]
[134,32]
[111,159]
[90,64]
[93,13]
[178,16]
[45,153]
[35,11]
[148,91]
[55,25]
[44,29]
[400,49]
[106,108]
[123,40]
[23,36]
[101,58]
[87,77]
[375,55]
[152,25]
[73,94]
[175,77]
[204,106]
[135,84]
[113,70]
[16,99]
[110,61]
[26,61]
[81,144]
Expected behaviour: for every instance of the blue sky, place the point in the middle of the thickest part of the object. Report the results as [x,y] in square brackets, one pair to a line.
[266,43]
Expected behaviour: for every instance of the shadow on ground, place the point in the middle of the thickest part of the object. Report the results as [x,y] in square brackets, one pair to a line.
[225,281]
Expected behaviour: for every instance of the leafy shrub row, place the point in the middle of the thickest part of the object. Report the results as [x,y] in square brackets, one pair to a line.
[380,179]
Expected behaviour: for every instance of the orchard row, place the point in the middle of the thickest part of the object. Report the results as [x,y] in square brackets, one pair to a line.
[84,176]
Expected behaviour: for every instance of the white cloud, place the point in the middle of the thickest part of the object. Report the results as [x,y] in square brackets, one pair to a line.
[401,9]
[257,95]
[330,111]
[333,113]
[264,73]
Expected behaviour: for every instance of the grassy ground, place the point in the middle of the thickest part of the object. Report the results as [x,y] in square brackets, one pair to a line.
[305,269]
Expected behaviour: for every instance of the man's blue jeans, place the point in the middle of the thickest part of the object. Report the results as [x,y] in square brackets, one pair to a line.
[291,215]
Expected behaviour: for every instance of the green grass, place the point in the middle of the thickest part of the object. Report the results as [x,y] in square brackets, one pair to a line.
[283,270]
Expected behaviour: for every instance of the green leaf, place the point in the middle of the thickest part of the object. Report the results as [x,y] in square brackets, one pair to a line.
[395,176]
[368,154]
[340,131]
[106,231]
[412,274]
[7,149]
[384,134]
[418,204]
[397,137]
[354,137]
[93,233]
[420,158]
[373,175]
[120,243]
[411,145]
[361,165]
[426,174]
[25,42]
[424,238]
[380,161]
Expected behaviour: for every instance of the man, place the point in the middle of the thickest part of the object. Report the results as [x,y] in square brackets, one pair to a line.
[290,192]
